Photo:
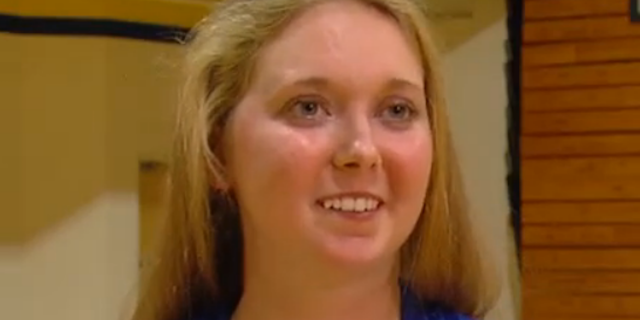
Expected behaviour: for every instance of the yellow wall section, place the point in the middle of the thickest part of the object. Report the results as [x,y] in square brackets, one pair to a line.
[164,12]
[10,165]
[152,199]
[80,113]
[63,128]
[451,32]
[77,116]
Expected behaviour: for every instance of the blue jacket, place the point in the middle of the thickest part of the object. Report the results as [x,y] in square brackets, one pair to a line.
[412,309]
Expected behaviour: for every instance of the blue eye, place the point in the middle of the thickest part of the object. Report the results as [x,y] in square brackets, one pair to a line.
[308,108]
[399,111]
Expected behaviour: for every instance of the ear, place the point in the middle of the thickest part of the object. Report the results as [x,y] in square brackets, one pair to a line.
[219,184]
[217,175]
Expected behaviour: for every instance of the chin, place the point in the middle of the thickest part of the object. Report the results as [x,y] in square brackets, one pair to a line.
[356,251]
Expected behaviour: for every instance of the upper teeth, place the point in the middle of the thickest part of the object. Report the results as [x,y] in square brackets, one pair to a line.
[351,204]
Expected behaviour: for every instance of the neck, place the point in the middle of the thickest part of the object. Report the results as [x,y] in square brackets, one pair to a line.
[297,290]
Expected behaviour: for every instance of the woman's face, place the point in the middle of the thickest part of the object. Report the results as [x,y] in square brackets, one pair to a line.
[330,150]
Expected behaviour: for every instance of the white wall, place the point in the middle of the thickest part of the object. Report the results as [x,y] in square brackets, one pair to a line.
[477,94]
[84,268]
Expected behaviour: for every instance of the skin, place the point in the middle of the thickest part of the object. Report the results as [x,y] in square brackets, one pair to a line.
[336,106]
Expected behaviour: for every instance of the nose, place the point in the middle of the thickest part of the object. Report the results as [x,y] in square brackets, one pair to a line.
[358,149]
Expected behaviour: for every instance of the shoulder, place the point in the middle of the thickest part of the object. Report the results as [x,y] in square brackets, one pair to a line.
[414,312]
[414,308]
[434,312]
[443,314]
[209,312]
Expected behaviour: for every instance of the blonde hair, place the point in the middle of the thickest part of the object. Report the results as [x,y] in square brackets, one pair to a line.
[440,260]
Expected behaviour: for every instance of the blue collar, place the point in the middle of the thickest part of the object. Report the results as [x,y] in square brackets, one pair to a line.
[415,309]
[412,309]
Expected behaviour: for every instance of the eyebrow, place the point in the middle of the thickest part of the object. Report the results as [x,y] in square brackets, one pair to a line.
[324,83]
[314,82]
[399,83]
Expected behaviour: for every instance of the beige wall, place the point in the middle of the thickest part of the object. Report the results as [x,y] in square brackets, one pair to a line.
[69,213]
[12,290]
[477,94]
[78,113]
[143,89]
[84,268]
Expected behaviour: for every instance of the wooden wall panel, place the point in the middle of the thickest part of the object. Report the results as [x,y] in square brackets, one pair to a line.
[609,74]
[586,212]
[614,50]
[580,189]
[571,99]
[616,121]
[534,10]
[547,317]
[579,29]
[618,259]
[584,282]
[581,306]
[577,236]
[580,168]
[579,145]
[571,179]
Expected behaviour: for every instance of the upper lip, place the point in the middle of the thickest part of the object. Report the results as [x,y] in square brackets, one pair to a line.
[357,194]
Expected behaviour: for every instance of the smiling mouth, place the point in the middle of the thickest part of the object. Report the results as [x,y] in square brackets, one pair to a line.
[351,204]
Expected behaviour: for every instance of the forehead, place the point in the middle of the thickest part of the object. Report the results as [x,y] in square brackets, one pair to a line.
[341,40]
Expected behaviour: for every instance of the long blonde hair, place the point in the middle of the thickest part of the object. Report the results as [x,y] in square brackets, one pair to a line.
[440,260]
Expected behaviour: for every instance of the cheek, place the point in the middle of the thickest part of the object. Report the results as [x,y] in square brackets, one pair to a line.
[274,167]
[409,167]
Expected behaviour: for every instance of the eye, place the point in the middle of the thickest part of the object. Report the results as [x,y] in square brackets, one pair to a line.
[307,108]
[399,111]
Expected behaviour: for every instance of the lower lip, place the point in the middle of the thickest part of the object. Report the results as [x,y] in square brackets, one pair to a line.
[353,215]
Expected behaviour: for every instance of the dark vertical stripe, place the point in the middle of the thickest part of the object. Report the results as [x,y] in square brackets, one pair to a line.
[515,22]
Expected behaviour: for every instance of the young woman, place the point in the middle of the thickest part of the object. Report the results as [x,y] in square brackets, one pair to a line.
[313,175]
